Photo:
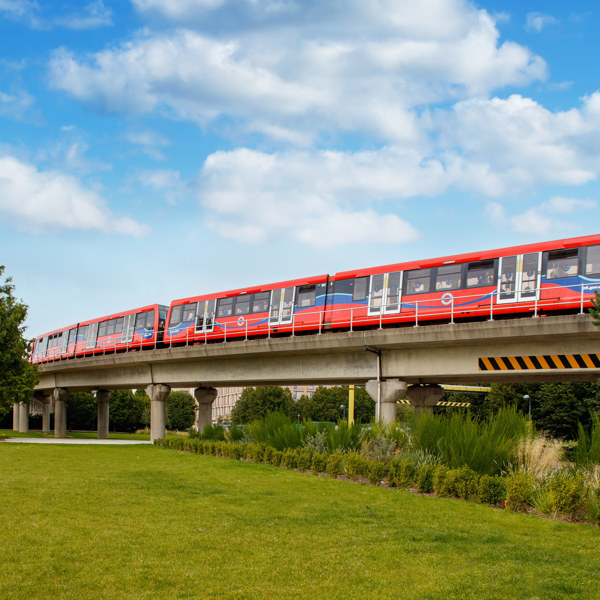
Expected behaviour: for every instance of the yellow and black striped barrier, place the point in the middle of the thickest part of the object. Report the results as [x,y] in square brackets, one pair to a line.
[463,404]
[531,363]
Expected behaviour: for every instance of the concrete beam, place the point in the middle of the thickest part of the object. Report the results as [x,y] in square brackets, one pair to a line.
[205,396]
[103,399]
[61,395]
[424,397]
[158,394]
[386,394]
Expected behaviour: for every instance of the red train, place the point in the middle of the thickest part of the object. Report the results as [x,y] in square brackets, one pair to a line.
[535,279]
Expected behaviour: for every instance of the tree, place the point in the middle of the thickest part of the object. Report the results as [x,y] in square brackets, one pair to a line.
[256,403]
[17,376]
[82,412]
[181,411]
[594,310]
[126,411]
[326,403]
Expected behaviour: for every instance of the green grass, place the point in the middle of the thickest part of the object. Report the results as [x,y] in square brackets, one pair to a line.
[78,435]
[90,522]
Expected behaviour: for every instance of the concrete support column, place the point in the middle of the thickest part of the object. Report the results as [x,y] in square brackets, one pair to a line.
[16,417]
[46,410]
[23,417]
[424,397]
[205,396]
[61,396]
[158,394]
[103,398]
[388,392]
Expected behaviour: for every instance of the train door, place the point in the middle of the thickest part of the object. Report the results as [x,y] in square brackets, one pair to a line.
[384,296]
[282,306]
[128,329]
[519,279]
[92,336]
[205,318]
[43,349]
[68,338]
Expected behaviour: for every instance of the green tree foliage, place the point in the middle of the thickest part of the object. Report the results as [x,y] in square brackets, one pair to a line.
[181,411]
[126,411]
[326,402]
[17,376]
[594,310]
[256,403]
[82,412]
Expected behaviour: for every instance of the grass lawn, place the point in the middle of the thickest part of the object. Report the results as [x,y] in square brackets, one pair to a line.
[103,522]
[77,435]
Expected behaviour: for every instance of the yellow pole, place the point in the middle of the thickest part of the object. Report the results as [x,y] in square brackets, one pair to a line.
[351,405]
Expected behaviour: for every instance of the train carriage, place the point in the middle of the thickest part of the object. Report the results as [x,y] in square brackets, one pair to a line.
[289,306]
[135,329]
[533,279]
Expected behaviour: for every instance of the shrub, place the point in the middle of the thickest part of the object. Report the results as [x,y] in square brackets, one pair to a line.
[592,505]
[519,491]
[356,465]
[466,483]
[424,478]
[587,452]
[289,459]
[491,489]
[440,486]
[317,441]
[402,473]
[318,463]
[275,430]
[335,464]
[304,458]
[568,492]
[275,458]
[538,455]
[542,500]
[378,471]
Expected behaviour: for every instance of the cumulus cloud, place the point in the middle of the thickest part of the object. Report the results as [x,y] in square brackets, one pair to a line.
[165,181]
[16,104]
[320,199]
[40,200]
[545,219]
[91,16]
[312,75]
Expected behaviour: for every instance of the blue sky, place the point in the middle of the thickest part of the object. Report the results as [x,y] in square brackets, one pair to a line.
[152,149]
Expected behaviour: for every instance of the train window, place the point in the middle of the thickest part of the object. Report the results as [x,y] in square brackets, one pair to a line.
[140,321]
[119,325]
[102,329]
[242,304]
[110,327]
[306,296]
[176,316]
[480,273]
[224,307]
[261,302]
[72,335]
[448,278]
[82,333]
[189,312]
[562,263]
[418,281]
[592,263]
[150,320]
[361,288]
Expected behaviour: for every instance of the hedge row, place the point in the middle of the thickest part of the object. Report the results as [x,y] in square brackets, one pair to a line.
[563,494]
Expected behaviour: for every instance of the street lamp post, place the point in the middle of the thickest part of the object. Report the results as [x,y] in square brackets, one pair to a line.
[527,397]
[343,407]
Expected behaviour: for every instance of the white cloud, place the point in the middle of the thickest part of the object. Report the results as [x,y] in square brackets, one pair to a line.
[149,141]
[545,219]
[16,104]
[92,15]
[20,10]
[49,200]
[166,181]
[326,68]
[537,21]
[320,199]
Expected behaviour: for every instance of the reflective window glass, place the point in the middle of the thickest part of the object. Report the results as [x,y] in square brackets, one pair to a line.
[189,312]
[110,327]
[448,278]
[361,288]
[176,316]
[102,329]
[140,321]
[224,307]
[119,324]
[306,296]
[261,302]
[562,263]
[418,281]
[242,305]
[592,263]
[480,273]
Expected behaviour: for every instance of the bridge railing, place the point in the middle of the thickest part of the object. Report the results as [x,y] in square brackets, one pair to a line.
[446,308]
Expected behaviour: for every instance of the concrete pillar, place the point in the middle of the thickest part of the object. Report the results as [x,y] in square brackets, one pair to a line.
[23,417]
[61,396]
[158,394]
[424,397]
[388,392]
[46,410]
[16,416]
[205,396]
[103,398]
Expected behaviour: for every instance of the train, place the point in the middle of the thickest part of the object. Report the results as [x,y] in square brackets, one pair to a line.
[556,277]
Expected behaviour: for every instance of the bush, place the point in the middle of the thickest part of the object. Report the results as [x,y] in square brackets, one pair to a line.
[304,458]
[275,430]
[440,486]
[568,493]
[519,491]
[289,459]
[402,473]
[356,465]
[318,463]
[335,464]
[466,483]
[491,489]
[378,471]
[424,478]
